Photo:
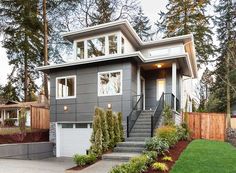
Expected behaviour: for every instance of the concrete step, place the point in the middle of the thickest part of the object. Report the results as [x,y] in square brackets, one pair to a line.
[142,139]
[128,149]
[143,123]
[119,156]
[148,130]
[131,144]
[138,134]
[142,126]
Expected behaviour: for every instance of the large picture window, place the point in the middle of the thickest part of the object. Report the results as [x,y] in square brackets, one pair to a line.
[96,47]
[65,87]
[110,83]
[112,44]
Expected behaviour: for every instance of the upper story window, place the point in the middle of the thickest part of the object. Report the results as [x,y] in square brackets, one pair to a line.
[100,46]
[96,47]
[66,87]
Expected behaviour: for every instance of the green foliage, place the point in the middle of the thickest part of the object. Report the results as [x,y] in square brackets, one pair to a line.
[157,144]
[160,166]
[167,158]
[9,122]
[121,126]
[183,132]
[168,133]
[151,155]
[168,116]
[22,120]
[110,125]
[81,160]
[9,92]
[116,129]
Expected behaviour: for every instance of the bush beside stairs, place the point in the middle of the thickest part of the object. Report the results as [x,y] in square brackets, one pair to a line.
[135,143]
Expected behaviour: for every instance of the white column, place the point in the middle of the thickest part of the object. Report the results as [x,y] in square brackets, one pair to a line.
[174,76]
[138,82]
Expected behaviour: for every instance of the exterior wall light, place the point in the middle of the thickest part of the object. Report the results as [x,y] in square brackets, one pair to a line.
[65,108]
[159,65]
[109,105]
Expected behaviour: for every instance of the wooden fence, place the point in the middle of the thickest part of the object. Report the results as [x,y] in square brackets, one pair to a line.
[40,118]
[207,125]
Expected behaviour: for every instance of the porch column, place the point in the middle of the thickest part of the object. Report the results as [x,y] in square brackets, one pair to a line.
[138,82]
[174,84]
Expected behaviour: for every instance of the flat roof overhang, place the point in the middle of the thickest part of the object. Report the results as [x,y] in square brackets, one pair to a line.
[183,61]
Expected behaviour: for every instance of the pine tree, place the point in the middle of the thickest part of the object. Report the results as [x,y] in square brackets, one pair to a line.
[185,17]
[104,127]
[110,124]
[22,31]
[141,25]
[223,88]
[8,92]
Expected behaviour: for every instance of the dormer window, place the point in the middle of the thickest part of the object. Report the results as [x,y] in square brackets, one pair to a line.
[99,46]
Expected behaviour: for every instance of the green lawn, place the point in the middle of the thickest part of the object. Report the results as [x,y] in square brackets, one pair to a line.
[202,156]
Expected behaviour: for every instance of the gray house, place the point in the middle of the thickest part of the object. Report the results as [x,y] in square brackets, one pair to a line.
[111,66]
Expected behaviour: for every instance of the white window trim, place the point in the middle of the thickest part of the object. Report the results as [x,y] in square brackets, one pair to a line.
[121,83]
[85,40]
[66,77]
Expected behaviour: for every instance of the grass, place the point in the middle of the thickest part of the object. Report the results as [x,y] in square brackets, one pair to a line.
[202,156]
[13,130]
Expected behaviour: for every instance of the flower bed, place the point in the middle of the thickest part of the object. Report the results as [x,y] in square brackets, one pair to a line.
[28,136]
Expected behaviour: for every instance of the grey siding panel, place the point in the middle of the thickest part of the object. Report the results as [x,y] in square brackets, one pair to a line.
[82,108]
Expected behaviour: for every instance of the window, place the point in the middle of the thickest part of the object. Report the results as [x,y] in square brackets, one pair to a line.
[66,126]
[81,125]
[122,45]
[80,50]
[110,83]
[112,44]
[96,47]
[66,87]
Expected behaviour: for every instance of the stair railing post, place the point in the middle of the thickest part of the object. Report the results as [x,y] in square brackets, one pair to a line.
[127,126]
[151,126]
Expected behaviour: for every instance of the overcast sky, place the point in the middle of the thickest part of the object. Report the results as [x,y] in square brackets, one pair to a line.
[151,9]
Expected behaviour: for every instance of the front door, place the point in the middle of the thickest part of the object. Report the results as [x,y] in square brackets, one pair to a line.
[160,88]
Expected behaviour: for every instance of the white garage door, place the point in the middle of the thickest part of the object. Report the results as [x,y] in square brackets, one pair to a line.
[74,138]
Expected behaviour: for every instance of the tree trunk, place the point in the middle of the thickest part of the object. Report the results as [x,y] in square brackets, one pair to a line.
[26,79]
[228,119]
[45,47]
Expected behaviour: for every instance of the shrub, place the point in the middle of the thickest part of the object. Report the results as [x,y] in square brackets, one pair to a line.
[105,134]
[168,133]
[156,144]
[81,160]
[110,125]
[151,155]
[167,158]
[168,116]
[182,133]
[22,120]
[116,129]
[123,168]
[160,166]
[121,126]
[9,122]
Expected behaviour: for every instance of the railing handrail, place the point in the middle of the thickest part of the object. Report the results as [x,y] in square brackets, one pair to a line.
[129,117]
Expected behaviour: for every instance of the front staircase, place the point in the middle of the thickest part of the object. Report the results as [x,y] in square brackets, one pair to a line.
[135,143]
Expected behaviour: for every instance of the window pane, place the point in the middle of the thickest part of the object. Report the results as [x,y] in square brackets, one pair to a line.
[70,87]
[81,125]
[80,50]
[112,44]
[68,125]
[122,45]
[60,87]
[96,47]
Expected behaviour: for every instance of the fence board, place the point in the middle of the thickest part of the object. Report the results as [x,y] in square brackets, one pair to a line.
[39,118]
[207,125]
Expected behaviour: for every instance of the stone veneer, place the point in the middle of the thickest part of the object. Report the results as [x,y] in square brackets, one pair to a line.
[52,136]
[231,136]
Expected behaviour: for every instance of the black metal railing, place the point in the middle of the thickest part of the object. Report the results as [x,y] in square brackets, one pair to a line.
[157,113]
[134,114]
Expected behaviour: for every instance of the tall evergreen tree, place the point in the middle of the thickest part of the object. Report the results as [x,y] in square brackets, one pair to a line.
[8,92]
[223,88]
[185,17]
[22,32]
[141,25]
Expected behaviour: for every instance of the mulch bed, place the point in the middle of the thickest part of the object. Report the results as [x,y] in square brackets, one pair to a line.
[174,153]
[37,136]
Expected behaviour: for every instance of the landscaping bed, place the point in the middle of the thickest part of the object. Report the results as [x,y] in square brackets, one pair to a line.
[174,153]
[14,135]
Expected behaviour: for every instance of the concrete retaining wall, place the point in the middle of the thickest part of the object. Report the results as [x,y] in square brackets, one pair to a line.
[31,151]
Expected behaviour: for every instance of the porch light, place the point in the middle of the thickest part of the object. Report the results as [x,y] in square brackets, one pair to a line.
[109,105]
[159,65]
[65,108]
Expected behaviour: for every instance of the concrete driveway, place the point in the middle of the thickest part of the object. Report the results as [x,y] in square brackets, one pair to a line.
[51,165]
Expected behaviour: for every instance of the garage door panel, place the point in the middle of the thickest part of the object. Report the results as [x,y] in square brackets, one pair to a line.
[74,141]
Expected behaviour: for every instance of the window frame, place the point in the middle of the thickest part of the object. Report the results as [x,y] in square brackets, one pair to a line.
[121,83]
[66,77]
